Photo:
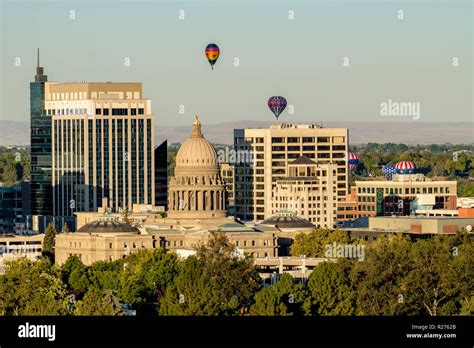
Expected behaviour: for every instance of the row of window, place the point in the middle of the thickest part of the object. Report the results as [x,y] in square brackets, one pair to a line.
[294,140]
[53,112]
[399,190]
[119,111]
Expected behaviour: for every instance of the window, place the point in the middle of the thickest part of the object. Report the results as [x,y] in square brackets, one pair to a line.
[110,245]
[119,111]
[141,111]
[133,112]
[106,112]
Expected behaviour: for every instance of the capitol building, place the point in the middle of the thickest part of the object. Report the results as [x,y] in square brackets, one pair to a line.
[196,207]
[197,189]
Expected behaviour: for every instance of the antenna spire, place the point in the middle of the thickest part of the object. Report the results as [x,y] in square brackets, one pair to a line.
[40,76]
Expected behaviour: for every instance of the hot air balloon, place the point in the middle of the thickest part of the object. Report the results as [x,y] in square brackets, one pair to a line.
[277,105]
[352,160]
[212,53]
[388,171]
[405,167]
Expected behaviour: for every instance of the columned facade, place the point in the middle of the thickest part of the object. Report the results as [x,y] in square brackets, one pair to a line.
[197,189]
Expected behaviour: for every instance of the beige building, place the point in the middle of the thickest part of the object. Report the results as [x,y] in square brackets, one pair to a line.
[102,145]
[420,224]
[273,148]
[15,247]
[309,190]
[396,197]
[105,239]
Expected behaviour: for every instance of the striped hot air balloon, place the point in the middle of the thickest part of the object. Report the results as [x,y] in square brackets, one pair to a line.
[212,54]
[388,171]
[352,160]
[405,167]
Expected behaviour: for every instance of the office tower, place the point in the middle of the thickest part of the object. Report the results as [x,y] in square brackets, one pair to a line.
[309,191]
[40,133]
[161,175]
[272,148]
[103,146]
[11,207]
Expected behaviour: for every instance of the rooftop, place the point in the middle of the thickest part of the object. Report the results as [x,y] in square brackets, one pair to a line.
[287,219]
[108,225]
[302,160]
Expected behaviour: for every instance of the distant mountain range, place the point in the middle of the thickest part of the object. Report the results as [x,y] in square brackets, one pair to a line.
[17,133]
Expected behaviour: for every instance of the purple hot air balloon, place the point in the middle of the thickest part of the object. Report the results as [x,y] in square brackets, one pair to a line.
[277,105]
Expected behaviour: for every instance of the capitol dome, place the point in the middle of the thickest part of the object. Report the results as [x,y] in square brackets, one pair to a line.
[197,151]
[197,189]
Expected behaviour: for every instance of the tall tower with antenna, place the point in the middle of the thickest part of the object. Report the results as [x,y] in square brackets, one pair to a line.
[41,160]
[39,77]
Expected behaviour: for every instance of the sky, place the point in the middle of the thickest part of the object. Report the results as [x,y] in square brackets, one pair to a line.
[296,49]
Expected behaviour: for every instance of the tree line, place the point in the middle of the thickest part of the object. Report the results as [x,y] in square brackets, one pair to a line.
[398,276]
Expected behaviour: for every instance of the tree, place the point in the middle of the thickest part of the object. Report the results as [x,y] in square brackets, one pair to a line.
[446,265]
[99,302]
[381,279]
[65,228]
[126,216]
[284,298]
[146,275]
[32,288]
[216,281]
[468,307]
[49,242]
[9,176]
[192,293]
[314,244]
[235,275]
[74,274]
[105,274]
[330,290]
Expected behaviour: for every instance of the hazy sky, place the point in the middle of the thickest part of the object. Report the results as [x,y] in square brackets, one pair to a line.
[407,60]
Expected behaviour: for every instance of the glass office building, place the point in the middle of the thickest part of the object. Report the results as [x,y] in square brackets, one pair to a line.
[41,162]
